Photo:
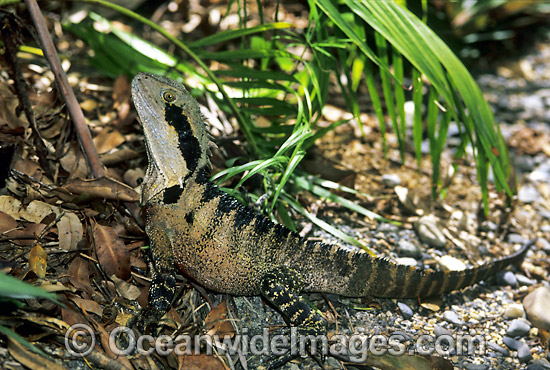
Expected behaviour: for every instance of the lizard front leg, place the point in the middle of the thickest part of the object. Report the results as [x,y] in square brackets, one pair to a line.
[163,285]
[279,287]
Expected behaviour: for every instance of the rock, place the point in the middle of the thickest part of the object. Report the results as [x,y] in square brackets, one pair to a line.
[475,366]
[514,311]
[524,353]
[541,173]
[511,343]
[440,330]
[507,278]
[525,163]
[543,244]
[408,261]
[532,103]
[518,328]
[497,348]
[449,263]
[542,362]
[488,226]
[536,306]
[535,367]
[406,311]
[391,179]
[429,231]
[408,249]
[515,239]
[524,280]
[451,317]
[528,193]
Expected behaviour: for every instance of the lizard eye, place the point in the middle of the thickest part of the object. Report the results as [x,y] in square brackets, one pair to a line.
[168,96]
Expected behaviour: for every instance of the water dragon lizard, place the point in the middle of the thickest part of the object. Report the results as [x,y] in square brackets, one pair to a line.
[229,248]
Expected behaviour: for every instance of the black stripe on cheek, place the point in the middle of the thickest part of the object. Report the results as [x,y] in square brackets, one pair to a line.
[188,144]
[172,194]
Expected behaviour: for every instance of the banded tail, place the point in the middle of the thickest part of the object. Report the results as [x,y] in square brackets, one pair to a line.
[410,282]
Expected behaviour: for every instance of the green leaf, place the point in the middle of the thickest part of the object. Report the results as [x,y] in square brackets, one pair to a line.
[238,33]
[15,288]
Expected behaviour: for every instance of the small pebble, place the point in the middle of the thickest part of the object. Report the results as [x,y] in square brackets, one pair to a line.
[497,348]
[542,362]
[409,249]
[524,280]
[532,103]
[476,366]
[391,179]
[528,193]
[449,263]
[518,328]
[524,353]
[507,278]
[451,317]
[440,330]
[543,244]
[514,311]
[524,163]
[515,239]
[536,306]
[544,213]
[406,311]
[535,367]
[429,232]
[489,226]
[511,343]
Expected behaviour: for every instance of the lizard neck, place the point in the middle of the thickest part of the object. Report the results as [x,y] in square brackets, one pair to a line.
[175,135]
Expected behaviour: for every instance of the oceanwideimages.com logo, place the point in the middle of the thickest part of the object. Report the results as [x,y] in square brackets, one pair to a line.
[80,340]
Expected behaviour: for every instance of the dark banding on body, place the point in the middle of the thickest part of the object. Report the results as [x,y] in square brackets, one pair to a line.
[188,144]
[189,217]
[172,194]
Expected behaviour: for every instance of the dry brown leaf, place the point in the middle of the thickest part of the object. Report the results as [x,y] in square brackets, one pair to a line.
[30,359]
[216,321]
[8,104]
[28,167]
[107,140]
[127,290]
[37,210]
[7,222]
[48,322]
[72,317]
[433,304]
[54,287]
[200,362]
[30,232]
[87,305]
[118,156]
[70,231]
[37,261]
[121,96]
[11,206]
[104,187]
[104,338]
[79,275]
[74,162]
[112,254]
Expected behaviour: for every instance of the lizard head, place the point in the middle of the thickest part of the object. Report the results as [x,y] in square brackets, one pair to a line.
[176,138]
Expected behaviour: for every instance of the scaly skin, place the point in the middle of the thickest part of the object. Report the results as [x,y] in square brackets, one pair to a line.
[228,248]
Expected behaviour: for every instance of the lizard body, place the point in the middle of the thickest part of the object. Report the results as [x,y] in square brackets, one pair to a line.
[228,248]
